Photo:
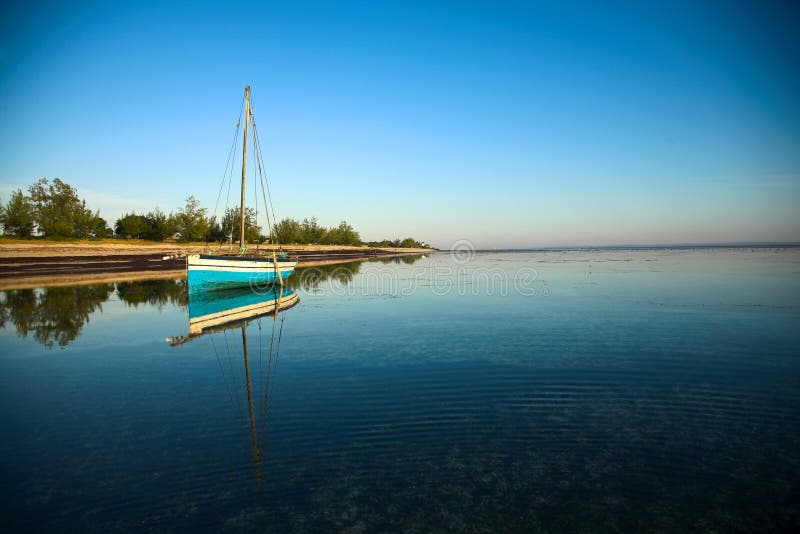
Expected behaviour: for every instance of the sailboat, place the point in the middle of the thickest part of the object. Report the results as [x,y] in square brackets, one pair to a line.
[208,271]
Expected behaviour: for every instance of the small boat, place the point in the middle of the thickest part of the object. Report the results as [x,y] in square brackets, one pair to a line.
[211,271]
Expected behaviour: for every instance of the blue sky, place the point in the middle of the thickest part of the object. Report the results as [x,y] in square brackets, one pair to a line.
[511,124]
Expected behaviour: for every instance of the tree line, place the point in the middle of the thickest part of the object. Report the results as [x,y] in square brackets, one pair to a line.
[54,210]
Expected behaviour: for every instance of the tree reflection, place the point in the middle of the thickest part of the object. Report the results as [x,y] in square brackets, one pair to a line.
[153,292]
[53,315]
[56,315]
[308,278]
[405,260]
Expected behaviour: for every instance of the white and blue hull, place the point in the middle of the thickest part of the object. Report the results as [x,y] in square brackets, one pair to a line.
[219,272]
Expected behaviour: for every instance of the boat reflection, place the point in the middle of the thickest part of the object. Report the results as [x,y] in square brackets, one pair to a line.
[215,314]
[213,311]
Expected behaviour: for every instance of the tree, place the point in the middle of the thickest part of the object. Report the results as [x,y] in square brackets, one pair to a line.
[17,215]
[132,225]
[191,221]
[98,227]
[311,231]
[88,224]
[54,206]
[215,232]
[231,224]
[160,225]
[348,236]
[408,242]
[59,212]
[287,231]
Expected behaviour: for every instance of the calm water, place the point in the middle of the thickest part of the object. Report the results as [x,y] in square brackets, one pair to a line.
[560,391]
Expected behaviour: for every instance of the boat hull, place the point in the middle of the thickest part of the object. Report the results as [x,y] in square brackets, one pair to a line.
[220,272]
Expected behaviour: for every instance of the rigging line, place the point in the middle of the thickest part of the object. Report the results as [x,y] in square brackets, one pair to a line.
[264,189]
[278,346]
[256,184]
[230,172]
[261,178]
[230,179]
[265,180]
[230,155]
[265,186]
[227,164]
[270,384]
[280,337]
[265,183]
[260,172]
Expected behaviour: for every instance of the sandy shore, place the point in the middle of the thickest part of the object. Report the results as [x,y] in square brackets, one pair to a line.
[24,265]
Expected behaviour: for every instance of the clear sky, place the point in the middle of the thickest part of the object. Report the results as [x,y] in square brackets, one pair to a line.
[511,124]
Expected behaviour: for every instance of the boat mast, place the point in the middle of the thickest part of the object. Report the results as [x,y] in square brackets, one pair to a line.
[244,163]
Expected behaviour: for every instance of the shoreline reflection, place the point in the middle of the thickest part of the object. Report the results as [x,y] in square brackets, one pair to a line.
[56,316]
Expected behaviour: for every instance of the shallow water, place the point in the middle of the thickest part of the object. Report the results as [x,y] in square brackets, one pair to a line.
[573,390]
